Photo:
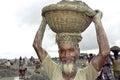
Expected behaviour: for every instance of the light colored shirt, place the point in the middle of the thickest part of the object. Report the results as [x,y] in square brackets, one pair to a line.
[55,73]
[116,65]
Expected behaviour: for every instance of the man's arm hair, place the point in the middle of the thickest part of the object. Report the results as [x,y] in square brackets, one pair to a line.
[103,44]
[37,44]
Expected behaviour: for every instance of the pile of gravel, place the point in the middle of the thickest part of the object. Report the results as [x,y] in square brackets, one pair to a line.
[41,76]
[38,77]
[8,73]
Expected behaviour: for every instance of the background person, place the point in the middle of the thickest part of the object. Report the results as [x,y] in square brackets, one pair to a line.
[116,62]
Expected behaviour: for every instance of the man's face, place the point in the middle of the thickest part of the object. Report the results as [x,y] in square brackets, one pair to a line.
[68,55]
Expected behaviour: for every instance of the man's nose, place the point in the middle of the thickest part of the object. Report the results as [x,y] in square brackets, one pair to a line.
[67,53]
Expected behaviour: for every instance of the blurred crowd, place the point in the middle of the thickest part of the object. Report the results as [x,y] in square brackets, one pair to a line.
[110,70]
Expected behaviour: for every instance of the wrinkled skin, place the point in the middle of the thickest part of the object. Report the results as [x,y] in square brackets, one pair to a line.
[67,51]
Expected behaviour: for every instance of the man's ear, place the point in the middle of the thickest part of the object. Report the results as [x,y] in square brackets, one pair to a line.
[59,53]
[79,50]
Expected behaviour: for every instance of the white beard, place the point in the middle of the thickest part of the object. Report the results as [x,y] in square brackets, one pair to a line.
[68,67]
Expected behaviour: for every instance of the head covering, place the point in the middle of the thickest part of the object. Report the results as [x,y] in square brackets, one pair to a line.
[115,48]
[68,38]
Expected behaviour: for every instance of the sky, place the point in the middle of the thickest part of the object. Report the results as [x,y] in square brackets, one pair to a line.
[20,20]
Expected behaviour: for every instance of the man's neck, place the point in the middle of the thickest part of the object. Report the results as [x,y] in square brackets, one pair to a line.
[69,76]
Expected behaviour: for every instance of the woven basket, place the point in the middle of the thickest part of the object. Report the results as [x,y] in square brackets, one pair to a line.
[68,16]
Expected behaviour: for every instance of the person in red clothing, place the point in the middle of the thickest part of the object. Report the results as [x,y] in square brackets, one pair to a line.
[22,73]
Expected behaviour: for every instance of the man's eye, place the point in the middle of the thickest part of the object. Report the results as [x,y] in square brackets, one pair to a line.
[62,51]
[71,49]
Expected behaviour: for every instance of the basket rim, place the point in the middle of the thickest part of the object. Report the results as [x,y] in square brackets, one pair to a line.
[78,6]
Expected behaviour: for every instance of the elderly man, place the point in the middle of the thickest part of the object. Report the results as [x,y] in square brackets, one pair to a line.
[68,54]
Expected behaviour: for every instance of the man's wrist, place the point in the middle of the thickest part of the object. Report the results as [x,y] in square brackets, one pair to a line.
[97,23]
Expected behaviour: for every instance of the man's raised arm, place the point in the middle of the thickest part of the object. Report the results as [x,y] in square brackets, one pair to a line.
[37,44]
[103,44]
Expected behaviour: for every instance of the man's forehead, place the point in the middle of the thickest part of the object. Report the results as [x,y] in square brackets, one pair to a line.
[66,46]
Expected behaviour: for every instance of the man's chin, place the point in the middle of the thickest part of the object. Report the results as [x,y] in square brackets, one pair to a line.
[68,68]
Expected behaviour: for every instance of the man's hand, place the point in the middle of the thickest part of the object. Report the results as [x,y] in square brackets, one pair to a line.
[98,16]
